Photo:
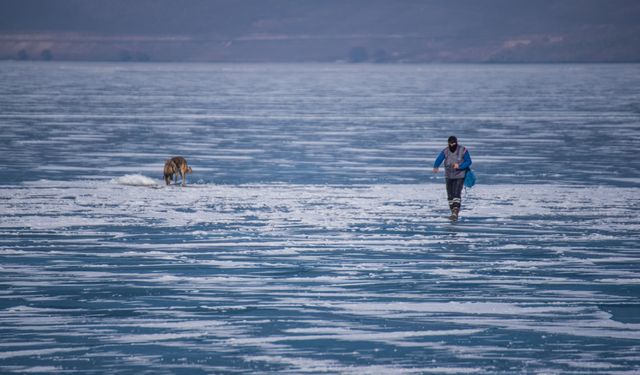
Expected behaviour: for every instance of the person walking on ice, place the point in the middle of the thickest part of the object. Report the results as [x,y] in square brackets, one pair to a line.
[456,162]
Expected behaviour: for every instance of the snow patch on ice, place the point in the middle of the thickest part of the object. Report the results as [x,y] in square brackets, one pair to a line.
[135,180]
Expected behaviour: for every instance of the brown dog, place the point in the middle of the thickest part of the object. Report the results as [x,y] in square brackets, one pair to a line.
[176,166]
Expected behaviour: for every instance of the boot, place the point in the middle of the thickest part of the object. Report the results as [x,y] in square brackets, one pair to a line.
[454,214]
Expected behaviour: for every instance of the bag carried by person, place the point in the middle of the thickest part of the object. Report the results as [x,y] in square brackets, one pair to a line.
[469,178]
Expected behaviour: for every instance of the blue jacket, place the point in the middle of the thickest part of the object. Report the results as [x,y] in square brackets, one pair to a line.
[465,164]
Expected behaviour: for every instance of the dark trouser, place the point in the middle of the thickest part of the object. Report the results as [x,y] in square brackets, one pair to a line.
[454,192]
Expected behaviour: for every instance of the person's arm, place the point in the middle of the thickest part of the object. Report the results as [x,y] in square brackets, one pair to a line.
[438,161]
[466,163]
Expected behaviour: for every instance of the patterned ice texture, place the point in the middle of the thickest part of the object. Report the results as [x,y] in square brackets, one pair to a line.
[312,236]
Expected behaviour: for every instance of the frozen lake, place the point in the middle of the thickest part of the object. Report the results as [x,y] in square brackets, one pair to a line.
[313,237]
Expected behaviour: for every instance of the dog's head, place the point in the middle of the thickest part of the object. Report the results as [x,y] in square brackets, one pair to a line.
[169,167]
[189,170]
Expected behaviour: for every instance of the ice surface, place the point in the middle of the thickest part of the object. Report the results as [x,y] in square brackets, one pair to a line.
[379,265]
[312,236]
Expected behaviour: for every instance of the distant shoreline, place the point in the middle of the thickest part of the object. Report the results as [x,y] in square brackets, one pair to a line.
[337,63]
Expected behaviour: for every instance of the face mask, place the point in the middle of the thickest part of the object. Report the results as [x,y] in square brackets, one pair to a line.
[453,147]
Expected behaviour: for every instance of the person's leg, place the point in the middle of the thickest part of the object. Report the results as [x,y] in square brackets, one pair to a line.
[456,199]
[450,192]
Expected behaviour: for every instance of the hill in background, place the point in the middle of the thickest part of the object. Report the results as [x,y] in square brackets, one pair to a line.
[322,31]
